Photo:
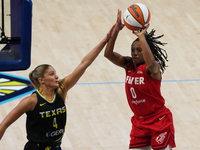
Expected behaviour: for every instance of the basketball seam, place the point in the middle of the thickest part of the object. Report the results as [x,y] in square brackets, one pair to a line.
[135,19]
[142,15]
[148,15]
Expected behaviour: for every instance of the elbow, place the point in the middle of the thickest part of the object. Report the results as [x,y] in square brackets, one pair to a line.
[106,52]
[107,55]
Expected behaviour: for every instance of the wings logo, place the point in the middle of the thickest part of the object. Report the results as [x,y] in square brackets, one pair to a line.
[13,87]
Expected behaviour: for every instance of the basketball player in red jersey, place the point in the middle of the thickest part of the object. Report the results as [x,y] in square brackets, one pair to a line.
[152,123]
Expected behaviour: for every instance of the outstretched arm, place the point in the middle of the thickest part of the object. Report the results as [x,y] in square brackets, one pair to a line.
[69,81]
[115,57]
[25,105]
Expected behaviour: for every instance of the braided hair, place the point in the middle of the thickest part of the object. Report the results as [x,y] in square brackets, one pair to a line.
[159,54]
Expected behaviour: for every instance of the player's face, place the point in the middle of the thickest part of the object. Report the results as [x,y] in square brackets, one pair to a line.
[50,78]
[136,53]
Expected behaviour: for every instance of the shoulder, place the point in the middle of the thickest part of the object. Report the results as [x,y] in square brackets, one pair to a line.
[30,101]
[127,62]
[33,98]
[62,89]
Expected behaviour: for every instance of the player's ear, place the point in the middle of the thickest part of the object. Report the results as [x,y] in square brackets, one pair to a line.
[41,80]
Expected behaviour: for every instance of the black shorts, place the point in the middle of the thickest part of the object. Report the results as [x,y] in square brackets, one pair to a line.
[35,146]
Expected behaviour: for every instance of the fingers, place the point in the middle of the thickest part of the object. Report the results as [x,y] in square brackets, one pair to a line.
[141,31]
[119,25]
[119,14]
[145,29]
[137,31]
[107,38]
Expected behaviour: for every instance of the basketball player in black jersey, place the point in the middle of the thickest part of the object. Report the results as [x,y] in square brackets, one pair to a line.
[45,108]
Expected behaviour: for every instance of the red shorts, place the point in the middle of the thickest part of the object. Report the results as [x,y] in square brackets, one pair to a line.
[156,130]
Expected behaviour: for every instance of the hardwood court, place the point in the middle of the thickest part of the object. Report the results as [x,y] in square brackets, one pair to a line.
[64,31]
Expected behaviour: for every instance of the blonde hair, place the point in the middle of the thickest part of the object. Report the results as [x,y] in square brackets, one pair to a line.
[37,73]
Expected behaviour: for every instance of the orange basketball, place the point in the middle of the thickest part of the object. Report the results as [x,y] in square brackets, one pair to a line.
[136,16]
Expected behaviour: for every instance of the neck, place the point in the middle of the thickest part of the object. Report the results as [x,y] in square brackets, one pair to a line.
[137,65]
[47,94]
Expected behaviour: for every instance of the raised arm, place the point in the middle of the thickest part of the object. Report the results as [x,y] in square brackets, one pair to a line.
[152,66]
[115,57]
[25,105]
[70,80]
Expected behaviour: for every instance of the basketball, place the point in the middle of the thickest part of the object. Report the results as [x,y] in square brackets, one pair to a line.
[136,17]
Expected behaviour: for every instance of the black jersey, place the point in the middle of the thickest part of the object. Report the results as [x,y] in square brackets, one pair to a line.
[46,123]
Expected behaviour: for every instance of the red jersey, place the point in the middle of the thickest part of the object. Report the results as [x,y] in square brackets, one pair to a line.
[142,91]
